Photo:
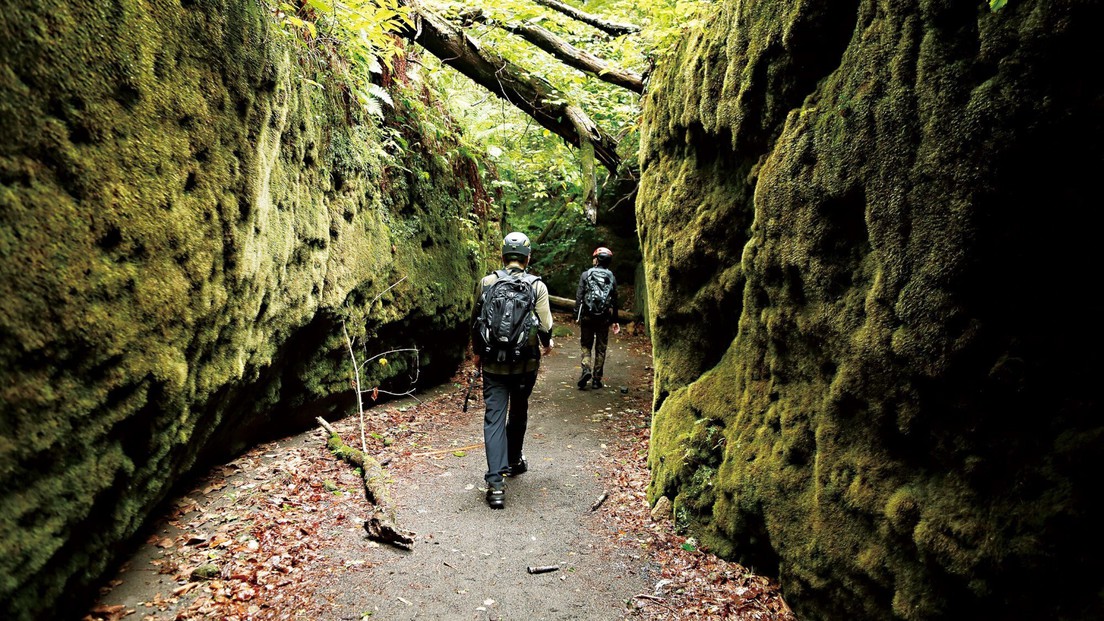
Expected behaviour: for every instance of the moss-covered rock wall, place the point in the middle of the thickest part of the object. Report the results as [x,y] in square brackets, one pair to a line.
[186,225]
[870,264]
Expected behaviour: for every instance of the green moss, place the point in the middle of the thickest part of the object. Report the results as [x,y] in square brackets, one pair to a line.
[185,226]
[207,571]
[832,198]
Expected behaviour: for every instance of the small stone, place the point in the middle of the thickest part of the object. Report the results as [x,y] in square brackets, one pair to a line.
[207,571]
[662,508]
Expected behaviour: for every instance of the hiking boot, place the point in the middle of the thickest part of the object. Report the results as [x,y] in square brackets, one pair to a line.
[496,495]
[584,378]
[517,468]
[597,383]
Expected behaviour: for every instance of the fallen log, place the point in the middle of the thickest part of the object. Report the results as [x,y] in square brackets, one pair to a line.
[531,94]
[381,525]
[568,304]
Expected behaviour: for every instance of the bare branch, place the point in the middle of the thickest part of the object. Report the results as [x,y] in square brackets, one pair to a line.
[605,25]
[565,52]
[385,291]
[356,371]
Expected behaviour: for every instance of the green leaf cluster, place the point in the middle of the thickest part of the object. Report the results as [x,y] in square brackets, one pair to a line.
[351,40]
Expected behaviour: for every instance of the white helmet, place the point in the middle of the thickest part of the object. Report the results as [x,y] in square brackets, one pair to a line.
[516,245]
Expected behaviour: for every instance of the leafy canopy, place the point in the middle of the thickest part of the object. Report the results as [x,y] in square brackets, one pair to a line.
[538,172]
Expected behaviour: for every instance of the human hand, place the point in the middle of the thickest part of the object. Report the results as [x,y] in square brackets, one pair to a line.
[617,328]
[548,350]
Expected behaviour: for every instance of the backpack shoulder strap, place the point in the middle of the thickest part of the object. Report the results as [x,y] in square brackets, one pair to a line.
[532,281]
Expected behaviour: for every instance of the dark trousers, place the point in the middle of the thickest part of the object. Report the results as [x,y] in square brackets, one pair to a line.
[594,333]
[504,435]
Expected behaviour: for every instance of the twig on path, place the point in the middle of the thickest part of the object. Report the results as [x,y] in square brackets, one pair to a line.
[658,600]
[598,503]
[651,597]
[542,569]
[447,450]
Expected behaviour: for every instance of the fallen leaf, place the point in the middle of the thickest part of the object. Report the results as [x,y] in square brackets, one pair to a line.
[181,590]
[107,613]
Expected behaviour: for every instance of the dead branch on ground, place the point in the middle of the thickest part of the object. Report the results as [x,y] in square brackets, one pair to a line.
[381,525]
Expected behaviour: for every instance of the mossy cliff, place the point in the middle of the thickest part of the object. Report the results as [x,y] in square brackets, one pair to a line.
[185,227]
[871,276]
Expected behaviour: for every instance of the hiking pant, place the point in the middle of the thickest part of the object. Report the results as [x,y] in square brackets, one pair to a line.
[504,435]
[595,334]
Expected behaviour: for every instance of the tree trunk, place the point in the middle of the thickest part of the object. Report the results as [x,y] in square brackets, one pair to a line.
[551,223]
[568,54]
[536,97]
[605,25]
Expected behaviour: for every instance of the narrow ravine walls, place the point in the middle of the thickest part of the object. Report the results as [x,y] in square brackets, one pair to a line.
[185,226]
[870,265]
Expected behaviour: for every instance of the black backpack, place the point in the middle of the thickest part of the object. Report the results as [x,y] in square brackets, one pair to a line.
[598,292]
[506,318]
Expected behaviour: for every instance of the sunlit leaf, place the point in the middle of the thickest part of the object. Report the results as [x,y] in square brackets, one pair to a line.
[378,92]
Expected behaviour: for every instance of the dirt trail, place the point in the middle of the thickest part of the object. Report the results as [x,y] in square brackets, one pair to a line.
[282,524]
[470,561]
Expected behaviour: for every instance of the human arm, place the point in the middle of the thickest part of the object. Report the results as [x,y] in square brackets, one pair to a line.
[544,316]
[614,306]
[579,295]
[477,306]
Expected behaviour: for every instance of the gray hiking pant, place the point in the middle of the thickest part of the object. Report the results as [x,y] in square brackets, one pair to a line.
[503,435]
[594,333]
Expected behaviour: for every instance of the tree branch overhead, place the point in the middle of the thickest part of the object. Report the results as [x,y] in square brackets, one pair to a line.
[565,52]
[532,95]
[607,26]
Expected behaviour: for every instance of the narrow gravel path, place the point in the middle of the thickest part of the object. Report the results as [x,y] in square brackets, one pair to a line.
[282,523]
[471,561]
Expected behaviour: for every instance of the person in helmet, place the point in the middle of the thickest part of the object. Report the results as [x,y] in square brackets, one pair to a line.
[596,311]
[508,376]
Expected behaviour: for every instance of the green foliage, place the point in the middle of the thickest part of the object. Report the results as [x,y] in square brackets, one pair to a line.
[996,5]
[536,172]
[350,41]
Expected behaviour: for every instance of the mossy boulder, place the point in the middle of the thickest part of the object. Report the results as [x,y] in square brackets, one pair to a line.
[866,232]
[187,227]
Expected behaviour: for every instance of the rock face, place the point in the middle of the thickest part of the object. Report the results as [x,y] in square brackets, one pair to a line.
[869,264]
[186,225]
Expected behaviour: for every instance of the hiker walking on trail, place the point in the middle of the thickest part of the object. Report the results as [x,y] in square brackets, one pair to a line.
[510,322]
[596,310]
